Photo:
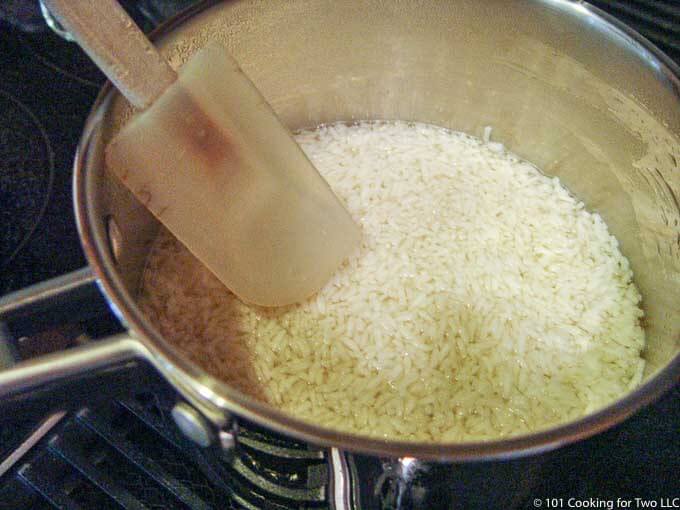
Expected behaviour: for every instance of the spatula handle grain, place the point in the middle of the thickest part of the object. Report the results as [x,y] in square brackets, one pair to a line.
[115,43]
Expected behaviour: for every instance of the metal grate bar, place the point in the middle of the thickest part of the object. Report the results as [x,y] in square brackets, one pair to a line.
[289,453]
[663,21]
[309,495]
[95,475]
[297,474]
[118,441]
[241,504]
[668,8]
[47,489]
[668,44]
[242,492]
[264,436]
[239,487]
[16,493]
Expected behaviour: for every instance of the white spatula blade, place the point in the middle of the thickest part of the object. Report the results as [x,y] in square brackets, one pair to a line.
[213,163]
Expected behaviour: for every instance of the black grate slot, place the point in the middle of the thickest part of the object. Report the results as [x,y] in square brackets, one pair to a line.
[658,21]
[142,461]
[142,432]
[61,485]
[151,417]
[667,8]
[266,466]
[16,493]
[644,13]
[154,454]
[110,471]
[14,429]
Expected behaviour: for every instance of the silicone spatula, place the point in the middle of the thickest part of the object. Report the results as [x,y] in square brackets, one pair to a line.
[210,159]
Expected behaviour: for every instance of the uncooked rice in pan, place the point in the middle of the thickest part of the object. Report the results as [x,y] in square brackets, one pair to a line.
[485,301]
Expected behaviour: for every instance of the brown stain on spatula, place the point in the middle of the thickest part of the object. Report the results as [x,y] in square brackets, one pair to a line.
[204,138]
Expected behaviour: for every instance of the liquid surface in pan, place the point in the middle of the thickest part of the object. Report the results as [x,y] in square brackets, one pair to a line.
[484,302]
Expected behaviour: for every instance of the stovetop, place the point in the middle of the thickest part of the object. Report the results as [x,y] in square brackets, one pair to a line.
[127,453]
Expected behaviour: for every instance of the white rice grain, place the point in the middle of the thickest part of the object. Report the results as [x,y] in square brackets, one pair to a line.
[485,301]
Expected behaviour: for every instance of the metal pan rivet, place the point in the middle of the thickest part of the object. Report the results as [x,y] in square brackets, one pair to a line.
[192,424]
[115,238]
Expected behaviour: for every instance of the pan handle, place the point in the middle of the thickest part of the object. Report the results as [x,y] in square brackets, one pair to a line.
[101,369]
[53,302]
[110,368]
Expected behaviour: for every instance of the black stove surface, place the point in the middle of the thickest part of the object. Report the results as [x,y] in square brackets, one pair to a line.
[126,454]
[47,87]
[45,92]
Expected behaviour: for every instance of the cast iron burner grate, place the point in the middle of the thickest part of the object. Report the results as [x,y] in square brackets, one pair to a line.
[130,455]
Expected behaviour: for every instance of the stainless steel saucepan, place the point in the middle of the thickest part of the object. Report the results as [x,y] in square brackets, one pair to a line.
[562,85]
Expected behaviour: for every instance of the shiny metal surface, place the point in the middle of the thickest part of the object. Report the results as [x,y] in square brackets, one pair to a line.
[62,287]
[341,484]
[29,375]
[582,97]
[192,424]
[54,25]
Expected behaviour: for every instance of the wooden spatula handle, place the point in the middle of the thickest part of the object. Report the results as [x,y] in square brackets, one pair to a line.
[120,49]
